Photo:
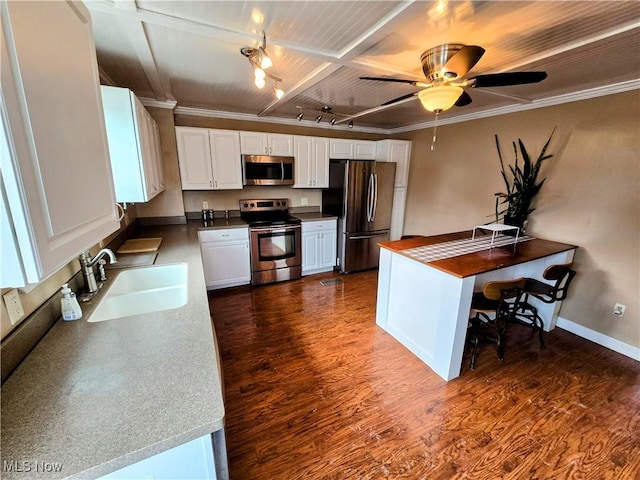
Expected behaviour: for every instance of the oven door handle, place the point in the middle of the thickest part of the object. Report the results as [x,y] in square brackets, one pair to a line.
[275,230]
[282,170]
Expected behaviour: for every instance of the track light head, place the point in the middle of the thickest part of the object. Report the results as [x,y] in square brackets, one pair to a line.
[350,124]
[300,115]
[333,121]
[319,118]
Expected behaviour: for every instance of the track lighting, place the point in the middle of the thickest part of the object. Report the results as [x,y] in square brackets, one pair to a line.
[279,93]
[260,61]
[321,115]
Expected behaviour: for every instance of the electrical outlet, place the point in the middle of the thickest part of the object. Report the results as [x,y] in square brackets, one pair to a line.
[14,306]
[619,309]
[205,205]
[304,201]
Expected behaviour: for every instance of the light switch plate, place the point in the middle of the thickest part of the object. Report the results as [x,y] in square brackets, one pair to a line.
[14,305]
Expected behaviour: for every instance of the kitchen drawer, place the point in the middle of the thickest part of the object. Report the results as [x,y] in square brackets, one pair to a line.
[316,226]
[223,235]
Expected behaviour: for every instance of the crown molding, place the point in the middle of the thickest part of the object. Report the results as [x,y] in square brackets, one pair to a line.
[545,102]
[246,117]
[152,102]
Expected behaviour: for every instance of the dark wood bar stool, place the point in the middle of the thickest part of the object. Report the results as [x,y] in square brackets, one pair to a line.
[527,314]
[492,309]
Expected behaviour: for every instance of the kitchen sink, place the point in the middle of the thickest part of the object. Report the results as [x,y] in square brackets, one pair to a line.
[143,290]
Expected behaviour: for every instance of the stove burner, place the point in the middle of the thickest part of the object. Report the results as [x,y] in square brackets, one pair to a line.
[266,213]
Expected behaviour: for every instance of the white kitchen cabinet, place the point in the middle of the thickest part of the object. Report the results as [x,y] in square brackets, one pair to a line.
[194,459]
[209,159]
[312,162]
[397,212]
[56,173]
[398,151]
[364,150]
[136,161]
[261,143]
[225,257]
[319,246]
[341,148]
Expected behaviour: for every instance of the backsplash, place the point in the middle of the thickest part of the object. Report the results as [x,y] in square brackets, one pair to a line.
[229,199]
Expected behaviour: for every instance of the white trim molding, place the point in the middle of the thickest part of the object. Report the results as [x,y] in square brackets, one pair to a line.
[600,338]
[152,102]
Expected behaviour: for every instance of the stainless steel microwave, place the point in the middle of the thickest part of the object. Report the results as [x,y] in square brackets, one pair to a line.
[267,170]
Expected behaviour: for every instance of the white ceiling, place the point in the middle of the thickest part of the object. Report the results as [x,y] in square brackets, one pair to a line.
[188,52]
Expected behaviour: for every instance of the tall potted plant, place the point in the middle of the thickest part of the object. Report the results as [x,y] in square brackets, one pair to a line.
[521,183]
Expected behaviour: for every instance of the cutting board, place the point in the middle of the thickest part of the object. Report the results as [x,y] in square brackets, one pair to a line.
[140,245]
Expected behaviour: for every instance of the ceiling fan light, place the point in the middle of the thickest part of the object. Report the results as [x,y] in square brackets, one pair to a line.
[259,73]
[259,82]
[439,98]
[279,92]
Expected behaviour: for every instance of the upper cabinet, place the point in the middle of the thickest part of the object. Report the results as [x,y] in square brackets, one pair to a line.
[209,159]
[342,148]
[134,146]
[312,162]
[398,151]
[56,173]
[364,150]
[260,143]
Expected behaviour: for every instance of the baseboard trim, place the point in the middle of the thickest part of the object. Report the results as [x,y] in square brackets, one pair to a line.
[600,338]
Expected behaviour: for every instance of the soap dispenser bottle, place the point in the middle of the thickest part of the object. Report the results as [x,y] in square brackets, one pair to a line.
[70,307]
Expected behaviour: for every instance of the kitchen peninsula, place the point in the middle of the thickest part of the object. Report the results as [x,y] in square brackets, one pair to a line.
[424,300]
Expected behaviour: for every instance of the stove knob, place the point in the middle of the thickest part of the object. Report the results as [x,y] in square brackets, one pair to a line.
[245,205]
[251,205]
[277,204]
[284,204]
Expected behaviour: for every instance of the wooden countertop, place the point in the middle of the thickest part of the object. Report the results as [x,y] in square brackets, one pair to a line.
[482,261]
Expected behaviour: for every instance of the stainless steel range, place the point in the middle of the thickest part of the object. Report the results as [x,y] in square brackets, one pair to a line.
[276,245]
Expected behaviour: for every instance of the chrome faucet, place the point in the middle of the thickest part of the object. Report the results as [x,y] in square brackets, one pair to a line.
[86,264]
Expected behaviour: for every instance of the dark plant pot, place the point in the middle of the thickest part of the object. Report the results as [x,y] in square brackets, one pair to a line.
[515,222]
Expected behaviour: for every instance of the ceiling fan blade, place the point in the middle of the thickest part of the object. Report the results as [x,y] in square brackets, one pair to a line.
[463,100]
[464,60]
[397,80]
[505,79]
[399,99]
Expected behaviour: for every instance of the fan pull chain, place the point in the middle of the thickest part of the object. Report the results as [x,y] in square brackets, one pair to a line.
[435,133]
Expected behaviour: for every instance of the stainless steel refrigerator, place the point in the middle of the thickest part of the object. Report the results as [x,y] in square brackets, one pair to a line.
[360,194]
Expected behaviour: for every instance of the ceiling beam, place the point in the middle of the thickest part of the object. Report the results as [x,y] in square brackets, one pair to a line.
[140,44]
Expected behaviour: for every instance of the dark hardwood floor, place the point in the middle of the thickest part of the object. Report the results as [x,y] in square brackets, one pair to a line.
[314,390]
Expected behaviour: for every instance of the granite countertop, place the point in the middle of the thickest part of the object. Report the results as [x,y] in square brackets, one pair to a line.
[313,216]
[96,397]
[481,261]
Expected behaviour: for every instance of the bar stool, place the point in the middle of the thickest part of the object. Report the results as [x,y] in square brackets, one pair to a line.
[494,307]
[527,314]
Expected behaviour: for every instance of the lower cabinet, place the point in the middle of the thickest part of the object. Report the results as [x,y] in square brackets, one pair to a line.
[319,246]
[192,460]
[225,257]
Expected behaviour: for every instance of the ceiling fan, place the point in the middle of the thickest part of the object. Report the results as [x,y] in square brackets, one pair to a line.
[444,67]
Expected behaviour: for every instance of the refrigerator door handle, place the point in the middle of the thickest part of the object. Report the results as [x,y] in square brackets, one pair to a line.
[375,197]
[370,198]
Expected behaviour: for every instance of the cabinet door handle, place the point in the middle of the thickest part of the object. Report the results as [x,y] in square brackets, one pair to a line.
[210,183]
